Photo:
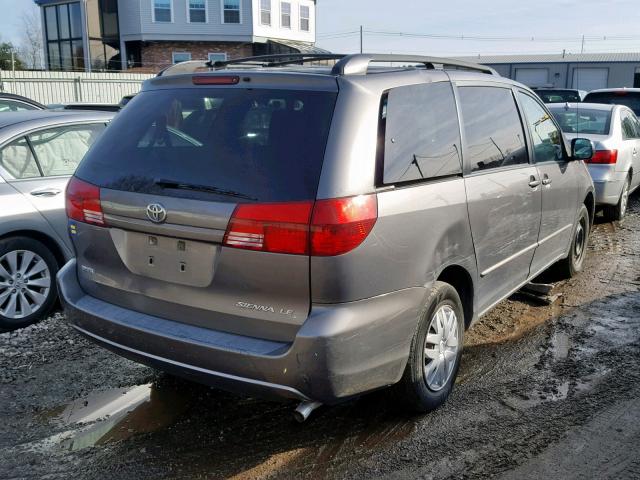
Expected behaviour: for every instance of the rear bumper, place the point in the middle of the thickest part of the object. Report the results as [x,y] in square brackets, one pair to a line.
[340,351]
[608,183]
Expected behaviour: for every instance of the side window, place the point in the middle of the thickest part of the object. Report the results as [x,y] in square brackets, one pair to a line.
[493,131]
[546,138]
[422,137]
[628,126]
[59,150]
[12,106]
[17,159]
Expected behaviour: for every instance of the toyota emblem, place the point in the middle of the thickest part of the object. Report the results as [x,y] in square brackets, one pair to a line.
[156,213]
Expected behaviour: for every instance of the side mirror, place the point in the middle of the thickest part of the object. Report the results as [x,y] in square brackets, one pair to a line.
[581,149]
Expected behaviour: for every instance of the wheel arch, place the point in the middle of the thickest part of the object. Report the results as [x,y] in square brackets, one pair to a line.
[460,279]
[43,238]
[590,203]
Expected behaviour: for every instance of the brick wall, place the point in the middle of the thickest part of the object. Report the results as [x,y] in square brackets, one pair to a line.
[157,55]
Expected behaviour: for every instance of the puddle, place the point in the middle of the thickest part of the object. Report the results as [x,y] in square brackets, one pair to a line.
[116,414]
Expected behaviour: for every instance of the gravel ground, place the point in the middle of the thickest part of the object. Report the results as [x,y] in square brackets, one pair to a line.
[544,391]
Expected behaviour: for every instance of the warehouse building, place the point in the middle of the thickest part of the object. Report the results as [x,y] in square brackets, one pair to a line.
[583,71]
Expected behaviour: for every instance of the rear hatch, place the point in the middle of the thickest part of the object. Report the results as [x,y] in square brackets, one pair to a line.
[204,198]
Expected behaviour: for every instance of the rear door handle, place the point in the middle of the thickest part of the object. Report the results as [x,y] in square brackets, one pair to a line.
[46,192]
[546,180]
[533,182]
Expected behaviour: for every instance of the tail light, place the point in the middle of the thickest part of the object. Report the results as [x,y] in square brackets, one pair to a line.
[323,228]
[339,225]
[213,80]
[83,202]
[604,157]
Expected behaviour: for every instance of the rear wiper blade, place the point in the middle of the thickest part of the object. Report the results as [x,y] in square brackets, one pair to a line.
[201,188]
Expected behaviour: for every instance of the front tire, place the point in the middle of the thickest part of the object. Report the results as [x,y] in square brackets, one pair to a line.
[435,353]
[574,262]
[27,282]
[614,213]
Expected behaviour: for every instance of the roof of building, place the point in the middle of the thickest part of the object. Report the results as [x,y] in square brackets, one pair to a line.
[556,58]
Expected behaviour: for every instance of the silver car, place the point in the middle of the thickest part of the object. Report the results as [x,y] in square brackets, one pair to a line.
[615,166]
[39,151]
[316,233]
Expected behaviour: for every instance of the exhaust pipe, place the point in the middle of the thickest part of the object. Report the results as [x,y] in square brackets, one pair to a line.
[304,409]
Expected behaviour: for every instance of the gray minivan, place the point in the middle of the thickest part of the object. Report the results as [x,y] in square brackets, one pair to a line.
[315,233]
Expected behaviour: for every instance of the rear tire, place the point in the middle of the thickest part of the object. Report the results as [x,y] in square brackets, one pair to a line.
[27,282]
[573,263]
[614,213]
[435,352]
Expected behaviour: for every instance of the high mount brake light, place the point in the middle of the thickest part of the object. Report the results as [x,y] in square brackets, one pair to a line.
[604,157]
[324,228]
[215,80]
[83,202]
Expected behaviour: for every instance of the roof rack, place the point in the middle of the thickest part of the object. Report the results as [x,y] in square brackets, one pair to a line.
[358,64]
[275,60]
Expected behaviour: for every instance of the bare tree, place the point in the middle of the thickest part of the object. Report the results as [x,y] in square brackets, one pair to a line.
[31,42]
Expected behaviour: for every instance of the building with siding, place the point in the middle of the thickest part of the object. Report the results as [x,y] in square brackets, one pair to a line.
[587,71]
[90,35]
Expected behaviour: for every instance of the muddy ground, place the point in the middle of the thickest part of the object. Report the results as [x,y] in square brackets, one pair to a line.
[543,392]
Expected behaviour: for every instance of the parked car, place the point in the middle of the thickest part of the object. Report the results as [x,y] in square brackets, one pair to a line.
[39,150]
[615,166]
[17,103]
[629,97]
[99,107]
[313,234]
[558,95]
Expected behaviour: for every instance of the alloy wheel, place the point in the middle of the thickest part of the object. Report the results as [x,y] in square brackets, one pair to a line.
[25,282]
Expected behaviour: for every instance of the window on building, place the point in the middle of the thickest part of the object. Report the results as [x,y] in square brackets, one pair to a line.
[304,18]
[421,133]
[162,11]
[63,32]
[217,57]
[231,11]
[104,34]
[545,136]
[285,14]
[177,57]
[265,12]
[197,11]
[493,131]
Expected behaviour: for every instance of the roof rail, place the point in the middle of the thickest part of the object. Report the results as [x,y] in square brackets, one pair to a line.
[358,64]
[275,60]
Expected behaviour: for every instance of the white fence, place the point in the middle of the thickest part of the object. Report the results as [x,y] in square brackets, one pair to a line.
[65,87]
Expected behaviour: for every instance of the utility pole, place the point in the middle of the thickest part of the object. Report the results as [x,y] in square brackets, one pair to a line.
[361,40]
[582,47]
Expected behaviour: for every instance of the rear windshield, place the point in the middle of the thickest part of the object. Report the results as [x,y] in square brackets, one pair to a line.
[630,99]
[218,144]
[558,96]
[583,120]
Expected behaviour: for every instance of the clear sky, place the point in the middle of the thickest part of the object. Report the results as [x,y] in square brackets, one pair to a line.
[548,25]
[554,25]
[11,13]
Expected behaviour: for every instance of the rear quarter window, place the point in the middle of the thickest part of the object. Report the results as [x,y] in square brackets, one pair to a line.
[421,133]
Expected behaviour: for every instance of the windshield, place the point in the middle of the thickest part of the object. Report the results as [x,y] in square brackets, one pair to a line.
[215,143]
[558,96]
[629,99]
[583,120]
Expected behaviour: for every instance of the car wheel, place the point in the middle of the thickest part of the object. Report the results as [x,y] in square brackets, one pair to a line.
[616,212]
[573,263]
[435,353]
[27,282]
